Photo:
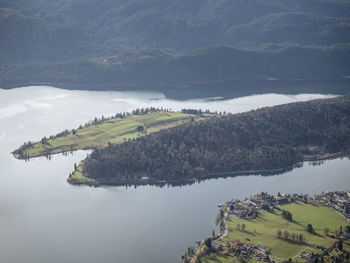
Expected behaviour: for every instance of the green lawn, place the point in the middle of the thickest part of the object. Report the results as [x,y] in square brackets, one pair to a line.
[78,178]
[113,130]
[263,230]
[220,258]
[319,216]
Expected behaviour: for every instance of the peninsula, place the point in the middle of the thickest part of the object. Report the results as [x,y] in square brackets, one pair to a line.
[182,147]
[281,228]
[266,139]
[99,133]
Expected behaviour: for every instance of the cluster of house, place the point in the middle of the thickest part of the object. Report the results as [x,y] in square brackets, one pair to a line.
[310,255]
[260,253]
[250,207]
[338,200]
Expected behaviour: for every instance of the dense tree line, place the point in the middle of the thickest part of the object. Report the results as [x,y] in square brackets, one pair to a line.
[267,138]
[287,215]
[294,237]
[310,229]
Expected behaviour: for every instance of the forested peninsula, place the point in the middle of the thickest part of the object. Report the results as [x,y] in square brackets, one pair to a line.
[265,139]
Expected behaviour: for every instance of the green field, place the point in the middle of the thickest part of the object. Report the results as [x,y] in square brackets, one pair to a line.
[77,178]
[114,130]
[263,231]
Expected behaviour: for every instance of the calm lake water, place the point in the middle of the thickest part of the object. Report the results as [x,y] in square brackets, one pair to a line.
[44,219]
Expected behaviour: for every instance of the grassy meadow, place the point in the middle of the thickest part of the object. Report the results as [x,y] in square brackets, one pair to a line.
[114,130]
[263,231]
[77,178]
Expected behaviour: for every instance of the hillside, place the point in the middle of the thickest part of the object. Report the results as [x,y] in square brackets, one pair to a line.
[164,70]
[265,139]
[28,38]
[179,25]
[69,42]
[289,27]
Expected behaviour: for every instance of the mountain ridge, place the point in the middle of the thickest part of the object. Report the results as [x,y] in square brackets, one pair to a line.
[56,38]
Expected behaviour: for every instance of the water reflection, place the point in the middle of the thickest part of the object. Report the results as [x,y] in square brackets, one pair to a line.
[48,220]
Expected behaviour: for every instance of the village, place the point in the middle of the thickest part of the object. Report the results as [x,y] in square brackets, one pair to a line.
[250,208]
[339,201]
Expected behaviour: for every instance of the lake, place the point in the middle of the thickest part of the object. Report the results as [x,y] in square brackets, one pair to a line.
[44,219]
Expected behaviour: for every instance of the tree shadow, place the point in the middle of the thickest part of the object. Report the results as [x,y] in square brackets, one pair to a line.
[296,222]
[317,234]
[248,232]
[260,218]
[273,212]
[296,242]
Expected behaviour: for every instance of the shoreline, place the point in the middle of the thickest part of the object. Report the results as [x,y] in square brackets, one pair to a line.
[18,157]
[86,136]
[242,87]
[317,200]
[189,181]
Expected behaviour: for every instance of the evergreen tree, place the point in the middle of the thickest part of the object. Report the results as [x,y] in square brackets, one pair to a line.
[279,234]
[340,244]
[310,229]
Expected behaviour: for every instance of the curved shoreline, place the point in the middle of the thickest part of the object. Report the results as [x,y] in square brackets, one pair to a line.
[114,129]
[18,157]
[228,211]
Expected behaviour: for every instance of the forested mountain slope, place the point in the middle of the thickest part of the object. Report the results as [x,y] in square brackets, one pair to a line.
[70,41]
[268,138]
[186,25]
[27,38]
[164,69]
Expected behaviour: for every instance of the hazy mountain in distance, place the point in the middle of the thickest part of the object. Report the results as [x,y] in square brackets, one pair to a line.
[28,38]
[136,42]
